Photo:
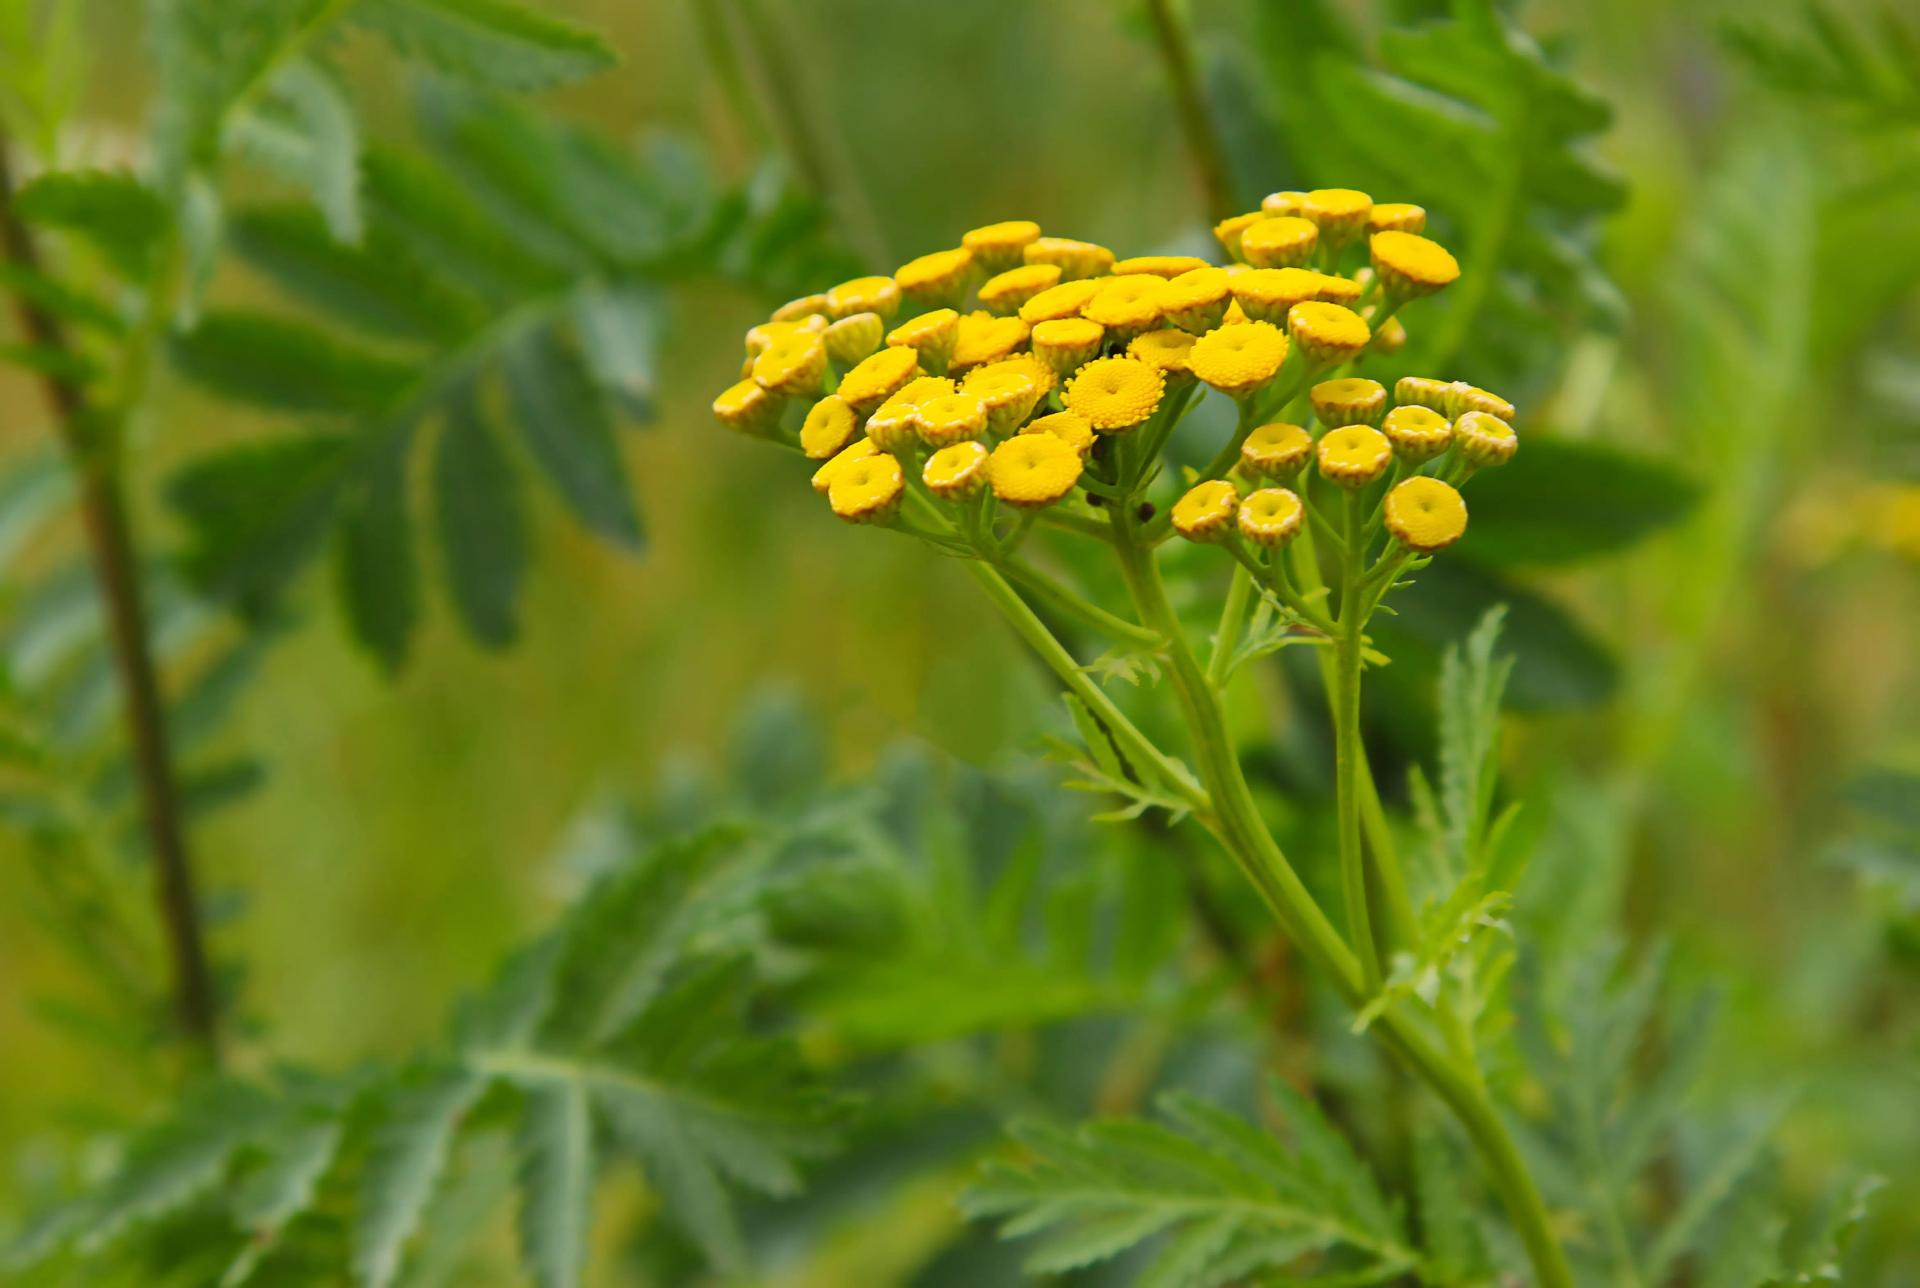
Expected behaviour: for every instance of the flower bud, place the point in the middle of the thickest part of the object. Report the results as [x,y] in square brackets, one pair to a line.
[1425,514]
[1206,512]
[1271,516]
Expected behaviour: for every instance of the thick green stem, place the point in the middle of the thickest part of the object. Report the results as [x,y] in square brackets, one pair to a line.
[1347,750]
[1233,616]
[1203,141]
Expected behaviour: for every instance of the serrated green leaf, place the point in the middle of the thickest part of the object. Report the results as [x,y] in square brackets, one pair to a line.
[1561,502]
[483,536]
[288,366]
[111,210]
[257,513]
[61,299]
[210,56]
[568,431]
[492,43]
[306,133]
[1456,1251]
[377,573]
[404,1165]
[555,1147]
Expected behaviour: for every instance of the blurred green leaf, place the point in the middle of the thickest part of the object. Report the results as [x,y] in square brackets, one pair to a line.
[569,432]
[376,566]
[483,536]
[258,512]
[493,43]
[286,365]
[1559,502]
[111,210]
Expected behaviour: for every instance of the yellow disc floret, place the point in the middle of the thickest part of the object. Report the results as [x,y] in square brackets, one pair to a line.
[864,295]
[1206,511]
[1484,438]
[1065,343]
[1075,258]
[1006,292]
[1062,301]
[1352,401]
[1115,394]
[748,408]
[858,450]
[1340,213]
[1410,266]
[1462,398]
[951,418]
[1007,390]
[1422,391]
[1397,216]
[936,280]
[1283,203]
[1166,350]
[1033,469]
[1327,334]
[997,247]
[867,490]
[1164,266]
[1265,294]
[1239,358]
[854,337]
[1425,514]
[877,376]
[1229,230]
[804,307]
[1197,299]
[1275,451]
[1417,433]
[793,365]
[1126,306]
[1354,455]
[1282,241]
[930,335]
[1069,427]
[830,426]
[985,338]
[1270,517]
[957,472]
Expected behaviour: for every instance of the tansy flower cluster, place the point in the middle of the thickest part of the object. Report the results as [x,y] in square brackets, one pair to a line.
[1021,375]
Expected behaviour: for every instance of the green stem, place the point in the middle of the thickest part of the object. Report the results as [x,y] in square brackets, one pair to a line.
[1233,615]
[1203,141]
[1072,602]
[1347,750]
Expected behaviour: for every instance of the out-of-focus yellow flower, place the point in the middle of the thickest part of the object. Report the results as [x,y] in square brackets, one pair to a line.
[957,472]
[1069,427]
[937,280]
[1229,231]
[1283,241]
[1007,390]
[1062,301]
[1328,334]
[1065,343]
[1410,266]
[1126,306]
[853,337]
[1283,203]
[1340,213]
[874,378]
[1484,439]
[984,338]
[1206,511]
[1271,517]
[1422,391]
[1075,258]
[1350,401]
[864,295]
[1162,266]
[1389,337]
[1893,518]
[748,407]
[1033,469]
[804,307]
[1115,394]
[1196,300]
[1239,358]
[867,490]
[1417,433]
[1425,514]
[1354,455]
[764,335]
[1266,294]
[793,366]
[1275,451]
[997,247]
[1025,361]
[1166,351]
[951,418]
[1335,289]
[830,426]
[931,335]
[1462,397]
[1006,292]
[858,450]
[1397,216]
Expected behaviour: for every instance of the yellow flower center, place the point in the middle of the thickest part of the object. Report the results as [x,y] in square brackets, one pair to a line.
[1397,216]
[986,339]
[865,295]
[1270,516]
[998,246]
[927,330]
[1340,213]
[829,426]
[1127,304]
[1484,438]
[1239,357]
[878,375]
[1425,514]
[951,418]
[956,471]
[866,489]
[1204,512]
[1165,266]
[1165,350]
[856,451]
[1069,427]
[1327,333]
[1065,343]
[1075,258]
[1354,455]
[792,365]
[1062,301]
[747,407]
[1275,450]
[1267,293]
[1410,265]
[1352,401]
[1417,433]
[1006,292]
[1115,394]
[1033,469]
[1279,242]
[1229,230]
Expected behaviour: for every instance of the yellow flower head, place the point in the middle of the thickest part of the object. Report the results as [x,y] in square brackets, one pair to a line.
[1115,394]
[1165,350]
[1205,512]
[1327,333]
[957,472]
[1265,294]
[1126,306]
[792,366]
[921,389]
[1417,433]
[937,280]
[1006,292]
[1281,241]
[1484,438]
[1411,266]
[1042,374]
[1271,517]
[1462,397]
[1196,300]
[1229,231]
[830,426]
[930,335]
[984,338]
[1397,216]
[858,450]
[1075,258]
[1352,401]
[1341,213]
[1353,455]
[864,295]
[1275,451]
[1064,343]
[1425,514]
[1069,427]
[853,337]
[1422,391]
[1007,390]
[951,418]
[875,377]
[1287,203]
[1163,266]
[1335,289]
[762,336]
[867,490]
[1062,301]
[804,307]
[894,426]
[1033,469]
[1239,358]
[1389,337]
[748,408]
[997,247]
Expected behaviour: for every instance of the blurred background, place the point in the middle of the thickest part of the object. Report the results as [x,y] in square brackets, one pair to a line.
[1735,694]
